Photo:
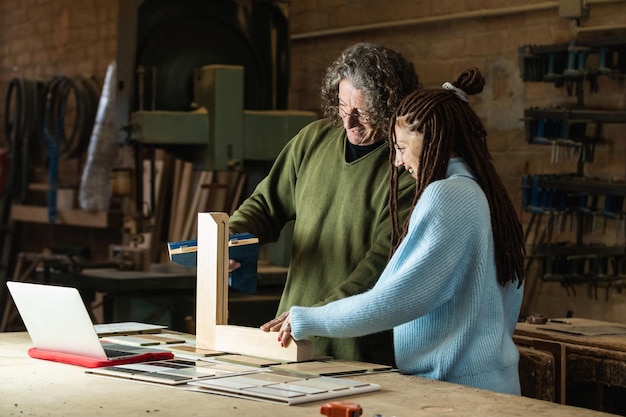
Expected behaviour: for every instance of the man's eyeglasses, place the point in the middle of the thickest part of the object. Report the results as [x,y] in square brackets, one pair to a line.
[362,116]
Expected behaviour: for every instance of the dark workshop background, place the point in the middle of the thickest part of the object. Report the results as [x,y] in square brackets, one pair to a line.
[41,38]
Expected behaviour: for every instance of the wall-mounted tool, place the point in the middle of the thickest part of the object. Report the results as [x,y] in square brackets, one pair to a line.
[569,64]
[576,60]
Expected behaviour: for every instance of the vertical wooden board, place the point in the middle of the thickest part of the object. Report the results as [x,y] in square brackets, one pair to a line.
[178,172]
[197,206]
[212,277]
[212,329]
[158,248]
[182,202]
[155,214]
[202,203]
[219,192]
[236,198]
[190,217]
[232,181]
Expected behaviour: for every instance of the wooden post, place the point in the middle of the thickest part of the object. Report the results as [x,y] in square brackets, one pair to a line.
[212,329]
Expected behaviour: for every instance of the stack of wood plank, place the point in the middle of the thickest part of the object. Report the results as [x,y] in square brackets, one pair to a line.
[181,192]
[201,191]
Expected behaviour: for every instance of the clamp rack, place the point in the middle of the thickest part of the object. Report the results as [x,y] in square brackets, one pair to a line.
[571,196]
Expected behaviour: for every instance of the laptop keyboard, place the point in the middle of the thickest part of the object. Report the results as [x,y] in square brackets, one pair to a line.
[114,353]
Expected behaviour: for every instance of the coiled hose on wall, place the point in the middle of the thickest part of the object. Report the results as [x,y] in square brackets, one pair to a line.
[22,127]
[43,123]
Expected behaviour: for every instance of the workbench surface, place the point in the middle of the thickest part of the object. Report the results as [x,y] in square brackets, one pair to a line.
[162,277]
[592,351]
[32,387]
[579,332]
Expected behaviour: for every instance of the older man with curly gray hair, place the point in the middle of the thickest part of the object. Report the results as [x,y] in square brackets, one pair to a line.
[332,179]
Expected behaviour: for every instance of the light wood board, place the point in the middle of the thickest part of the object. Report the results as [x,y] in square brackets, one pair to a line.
[212,329]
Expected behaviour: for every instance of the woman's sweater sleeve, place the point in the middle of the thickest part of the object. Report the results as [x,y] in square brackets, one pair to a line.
[422,274]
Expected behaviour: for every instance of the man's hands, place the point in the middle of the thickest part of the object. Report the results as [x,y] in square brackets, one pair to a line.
[282,325]
[232,265]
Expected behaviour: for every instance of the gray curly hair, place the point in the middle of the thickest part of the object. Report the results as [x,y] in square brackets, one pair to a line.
[383,75]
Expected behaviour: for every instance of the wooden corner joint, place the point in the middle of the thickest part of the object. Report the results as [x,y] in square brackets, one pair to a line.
[212,329]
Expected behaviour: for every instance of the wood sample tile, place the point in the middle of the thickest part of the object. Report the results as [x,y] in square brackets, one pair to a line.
[194,372]
[159,338]
[297,391]
[321,384]
[249,360]
[192,350]
[273,377]
[331,383]
[371,367]
[302,388]
[276,391]
[319,368]
[130,340]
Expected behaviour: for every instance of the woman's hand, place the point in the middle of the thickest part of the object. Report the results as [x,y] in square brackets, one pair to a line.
[282,325]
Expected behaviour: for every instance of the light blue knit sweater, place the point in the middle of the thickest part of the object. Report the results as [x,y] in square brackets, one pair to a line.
[451,319]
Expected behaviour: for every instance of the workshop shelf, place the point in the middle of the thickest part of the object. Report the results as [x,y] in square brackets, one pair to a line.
[69,217]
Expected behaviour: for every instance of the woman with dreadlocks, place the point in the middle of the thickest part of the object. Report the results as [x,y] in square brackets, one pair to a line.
[453,287]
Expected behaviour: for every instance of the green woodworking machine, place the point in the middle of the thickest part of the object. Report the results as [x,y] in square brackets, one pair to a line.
[219,134]
[206,81]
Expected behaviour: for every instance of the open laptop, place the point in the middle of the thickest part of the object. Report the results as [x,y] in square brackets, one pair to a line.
[61,330]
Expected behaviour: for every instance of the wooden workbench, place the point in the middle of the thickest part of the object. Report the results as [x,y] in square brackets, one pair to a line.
[583,351]
[595,350]
[33,387]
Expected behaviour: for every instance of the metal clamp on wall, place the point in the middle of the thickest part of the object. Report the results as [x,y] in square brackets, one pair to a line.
[595,265]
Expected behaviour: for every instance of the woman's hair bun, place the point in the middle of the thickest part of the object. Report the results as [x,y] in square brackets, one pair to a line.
[470,81]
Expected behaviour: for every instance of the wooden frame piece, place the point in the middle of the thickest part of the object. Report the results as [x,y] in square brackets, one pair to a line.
[212,329]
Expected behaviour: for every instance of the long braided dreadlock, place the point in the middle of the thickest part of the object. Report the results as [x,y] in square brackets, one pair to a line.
[450,127]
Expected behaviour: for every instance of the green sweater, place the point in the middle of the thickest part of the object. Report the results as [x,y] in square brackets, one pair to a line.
[341,234]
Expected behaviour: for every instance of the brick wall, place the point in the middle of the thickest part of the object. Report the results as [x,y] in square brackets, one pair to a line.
[40,38]
[441,42]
